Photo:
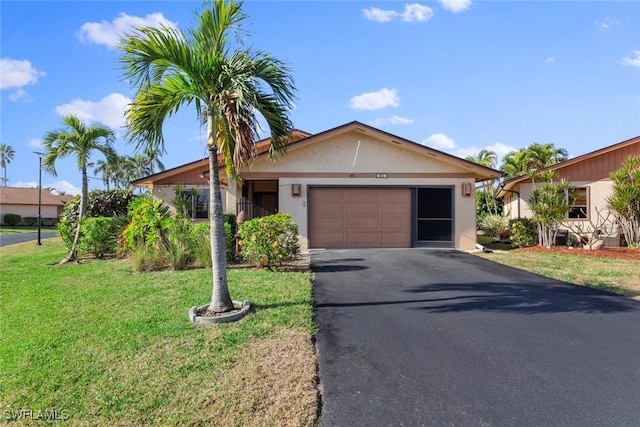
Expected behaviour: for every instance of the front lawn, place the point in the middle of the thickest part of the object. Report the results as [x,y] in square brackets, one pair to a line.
[102,345]
[621,276]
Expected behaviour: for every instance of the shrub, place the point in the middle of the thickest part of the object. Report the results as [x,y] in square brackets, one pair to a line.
[66,230]
[12,219]
[176,241]
[269,241]
[148,218]
[30,221]
[99,236]
[200,245]
[150,256]
[494,225]
[523,232]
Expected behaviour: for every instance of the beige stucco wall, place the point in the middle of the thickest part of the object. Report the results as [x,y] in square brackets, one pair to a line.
[167,193]
[28,211]
[598,191]
[337,156]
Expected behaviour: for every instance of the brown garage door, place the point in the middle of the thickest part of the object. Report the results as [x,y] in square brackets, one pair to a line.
[359,217]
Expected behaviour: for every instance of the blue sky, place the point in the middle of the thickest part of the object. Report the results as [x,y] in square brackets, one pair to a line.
[456,75]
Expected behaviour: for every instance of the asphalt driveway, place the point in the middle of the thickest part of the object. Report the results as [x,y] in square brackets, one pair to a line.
[438,338]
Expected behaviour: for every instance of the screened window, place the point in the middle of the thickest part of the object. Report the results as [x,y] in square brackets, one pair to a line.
[579,207]
[197,206]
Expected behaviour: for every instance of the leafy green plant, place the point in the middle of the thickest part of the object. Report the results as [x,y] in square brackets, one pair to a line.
[12,219]
[494,225]
[148,218]
[269,241]
[550,204]
[522,232]
[99,236]
[200,244]
[149,256]
[176,242]
[625,199]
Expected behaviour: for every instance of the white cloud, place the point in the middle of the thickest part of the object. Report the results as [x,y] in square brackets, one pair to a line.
[375,100]
[630,60]
[109,33]
[27,184]
[379,15]
[606,23]
[456,6]
[20,94]
[15,73]
[414,12]
[59,186]
[444,143]
[35,143]
[549,60]
[393,120]
[65,186]
[439,141]
[109,110]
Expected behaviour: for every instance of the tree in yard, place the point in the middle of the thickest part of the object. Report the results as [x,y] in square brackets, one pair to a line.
[528,160]
[486,158]
[625,199]
[6,155]
[230,88]
[550,204]
[77,139]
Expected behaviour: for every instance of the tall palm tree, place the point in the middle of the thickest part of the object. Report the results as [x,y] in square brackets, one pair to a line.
[77,139]
[539,156]
[6,155]
[229,88]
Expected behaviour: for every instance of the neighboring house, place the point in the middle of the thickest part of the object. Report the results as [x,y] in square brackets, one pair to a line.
[350,186]
[587,174]
[24,202]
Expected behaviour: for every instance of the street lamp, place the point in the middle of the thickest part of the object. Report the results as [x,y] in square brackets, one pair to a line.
[39,195]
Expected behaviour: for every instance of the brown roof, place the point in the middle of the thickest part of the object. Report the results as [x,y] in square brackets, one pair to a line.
[627,144]
[29,196]
[300,138]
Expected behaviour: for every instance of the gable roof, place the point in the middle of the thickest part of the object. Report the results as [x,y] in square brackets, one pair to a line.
[509,184]
[301,139]
[29,196]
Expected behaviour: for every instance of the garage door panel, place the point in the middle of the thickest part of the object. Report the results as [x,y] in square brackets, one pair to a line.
[345,217]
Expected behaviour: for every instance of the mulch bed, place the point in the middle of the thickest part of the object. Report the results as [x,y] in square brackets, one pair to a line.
[615,253]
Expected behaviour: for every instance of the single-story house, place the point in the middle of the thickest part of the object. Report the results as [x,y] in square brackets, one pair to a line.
[588,174]
[350,186]
[24,202]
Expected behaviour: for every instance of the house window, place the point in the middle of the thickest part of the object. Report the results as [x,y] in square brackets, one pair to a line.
[579,207]
[197,205]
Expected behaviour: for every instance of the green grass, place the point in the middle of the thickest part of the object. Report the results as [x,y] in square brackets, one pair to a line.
[5,229]
[109,346]
[614,275]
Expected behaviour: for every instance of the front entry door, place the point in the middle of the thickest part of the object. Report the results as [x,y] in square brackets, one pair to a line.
[434,217]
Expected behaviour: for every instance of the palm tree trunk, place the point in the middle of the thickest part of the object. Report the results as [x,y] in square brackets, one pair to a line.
[73,253]
[220,299]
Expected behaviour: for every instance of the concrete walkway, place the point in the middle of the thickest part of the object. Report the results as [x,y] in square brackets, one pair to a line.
[436,338]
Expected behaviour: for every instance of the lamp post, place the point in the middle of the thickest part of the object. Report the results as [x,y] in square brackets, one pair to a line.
[39,196]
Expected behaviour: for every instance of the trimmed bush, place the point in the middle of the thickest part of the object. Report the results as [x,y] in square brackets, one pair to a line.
[12,219]
[30,221]
[269,241]
[523,232]
[99,236]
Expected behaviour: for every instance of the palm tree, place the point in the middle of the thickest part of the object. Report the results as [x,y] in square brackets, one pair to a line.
[229,88]
[528,160]
[78,140]
[6,155]
[486,158]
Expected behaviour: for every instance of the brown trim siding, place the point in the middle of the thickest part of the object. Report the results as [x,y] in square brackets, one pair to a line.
[275,175]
